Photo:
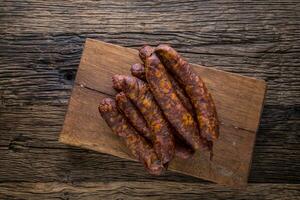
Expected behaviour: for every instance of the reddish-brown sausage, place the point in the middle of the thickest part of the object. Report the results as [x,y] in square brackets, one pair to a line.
[137,144]
[138,122]
[138,70]
[145,52]
[195,89]
[133,115]
[165,95]
[138,92]
[182,150]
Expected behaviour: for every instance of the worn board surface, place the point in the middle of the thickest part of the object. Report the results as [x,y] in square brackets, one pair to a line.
[238,100]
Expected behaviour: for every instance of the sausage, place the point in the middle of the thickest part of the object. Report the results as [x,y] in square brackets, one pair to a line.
[138,70]
[138,92]
[145,52]
[133,115]
[182,150]
[138,122]
[136,143]
[165,95]
[182,96]
[196,90]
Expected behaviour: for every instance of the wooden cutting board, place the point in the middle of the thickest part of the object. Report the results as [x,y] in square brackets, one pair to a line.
[239,102]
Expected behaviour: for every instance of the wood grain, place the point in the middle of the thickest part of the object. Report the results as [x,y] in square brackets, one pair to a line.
[239,104]
[40,48]
[144,190]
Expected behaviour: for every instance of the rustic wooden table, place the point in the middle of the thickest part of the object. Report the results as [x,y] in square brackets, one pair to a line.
[40,47]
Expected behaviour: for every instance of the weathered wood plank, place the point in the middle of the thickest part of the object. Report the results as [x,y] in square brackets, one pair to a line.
[29,134]
[55,58]
[40,48]
[138,15]
[144,190]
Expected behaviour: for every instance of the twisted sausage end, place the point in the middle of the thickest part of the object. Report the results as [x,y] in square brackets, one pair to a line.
[138,70]
[118,81]
[145,52]
[106,105]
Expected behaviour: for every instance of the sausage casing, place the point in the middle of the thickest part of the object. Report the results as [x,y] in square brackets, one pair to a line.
[145,52]
[138,122]
[133,115]
[196,90]
[138,92]
[166,97]
[136,143]
[138,70]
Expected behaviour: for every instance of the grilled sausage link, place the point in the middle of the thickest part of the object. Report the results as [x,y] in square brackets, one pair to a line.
[136,143]
[171,105]
[196,90]
[138,122]
[138,70]
[133,115]
[147,51]
[138,92]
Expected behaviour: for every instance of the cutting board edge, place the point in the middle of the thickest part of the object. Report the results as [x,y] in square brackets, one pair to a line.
[87,147]
[255,133]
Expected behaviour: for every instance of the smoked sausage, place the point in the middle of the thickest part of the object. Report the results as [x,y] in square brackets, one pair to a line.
[138,70]
[138,122]
[172,107]
[136,143]
[138,92]
[133,115]
[196,90]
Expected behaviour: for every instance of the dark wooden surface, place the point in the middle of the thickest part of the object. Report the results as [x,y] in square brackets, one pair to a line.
[40,48]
